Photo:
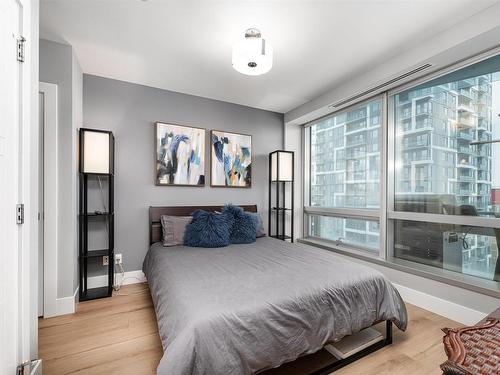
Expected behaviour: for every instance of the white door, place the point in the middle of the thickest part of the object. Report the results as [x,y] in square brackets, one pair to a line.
[14,118]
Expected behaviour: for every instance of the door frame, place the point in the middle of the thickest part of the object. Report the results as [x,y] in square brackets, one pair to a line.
[25,292]
[50,205]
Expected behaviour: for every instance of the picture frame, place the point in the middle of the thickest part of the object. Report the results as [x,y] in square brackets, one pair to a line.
[230,159]
[179,154]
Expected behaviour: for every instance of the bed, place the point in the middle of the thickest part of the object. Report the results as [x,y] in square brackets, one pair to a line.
[243,309]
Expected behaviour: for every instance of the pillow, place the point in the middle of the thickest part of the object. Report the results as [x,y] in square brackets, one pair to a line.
[174,228]
[208,229]
[260,225]
[244,229]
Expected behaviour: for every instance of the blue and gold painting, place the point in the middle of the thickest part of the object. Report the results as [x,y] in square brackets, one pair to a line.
[231,156]
[180,155]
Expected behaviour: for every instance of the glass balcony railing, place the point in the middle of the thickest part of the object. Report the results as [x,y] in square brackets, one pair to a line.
[465,150]
[464,135]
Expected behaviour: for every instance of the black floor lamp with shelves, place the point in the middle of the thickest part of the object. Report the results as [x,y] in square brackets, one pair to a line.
[96,167]
[281,195]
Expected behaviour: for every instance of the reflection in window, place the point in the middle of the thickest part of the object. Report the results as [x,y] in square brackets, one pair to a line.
[466,249]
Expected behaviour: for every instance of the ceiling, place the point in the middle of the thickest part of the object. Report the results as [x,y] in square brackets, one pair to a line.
[185,45]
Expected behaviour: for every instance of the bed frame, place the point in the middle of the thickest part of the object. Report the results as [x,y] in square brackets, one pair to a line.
[362,353]
[155,212]
[155,235]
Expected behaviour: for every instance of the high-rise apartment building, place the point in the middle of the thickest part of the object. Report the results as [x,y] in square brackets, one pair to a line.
[440,167]
[436,130]
[346,172]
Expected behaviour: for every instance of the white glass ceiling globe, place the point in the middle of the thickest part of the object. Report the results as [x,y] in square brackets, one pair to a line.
[252,56]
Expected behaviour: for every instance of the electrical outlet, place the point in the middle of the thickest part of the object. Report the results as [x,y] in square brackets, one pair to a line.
[118,259]
[105,260]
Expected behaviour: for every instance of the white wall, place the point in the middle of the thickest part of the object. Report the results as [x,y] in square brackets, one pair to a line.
[58,65]
[477,34]
[77,122]
[293,142]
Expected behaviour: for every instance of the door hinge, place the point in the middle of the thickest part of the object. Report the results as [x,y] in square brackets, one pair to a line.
[20,213]
[20,48]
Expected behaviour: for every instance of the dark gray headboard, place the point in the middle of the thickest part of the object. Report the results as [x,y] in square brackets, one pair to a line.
[155,231]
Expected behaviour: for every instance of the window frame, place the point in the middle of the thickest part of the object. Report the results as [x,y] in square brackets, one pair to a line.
[386,214]
[370,214]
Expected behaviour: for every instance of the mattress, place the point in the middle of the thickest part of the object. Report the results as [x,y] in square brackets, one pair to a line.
[246,308]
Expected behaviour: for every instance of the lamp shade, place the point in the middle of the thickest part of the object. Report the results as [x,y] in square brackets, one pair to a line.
[282,165]
[96,151]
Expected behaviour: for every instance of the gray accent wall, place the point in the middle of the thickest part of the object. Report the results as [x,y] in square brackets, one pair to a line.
[129,111]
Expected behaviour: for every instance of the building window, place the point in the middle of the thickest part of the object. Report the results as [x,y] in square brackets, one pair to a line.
[351,151]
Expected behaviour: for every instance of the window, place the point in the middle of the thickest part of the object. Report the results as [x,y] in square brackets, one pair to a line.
[440,211]
[453,175]
[351,151]
[465,249]
[361,234]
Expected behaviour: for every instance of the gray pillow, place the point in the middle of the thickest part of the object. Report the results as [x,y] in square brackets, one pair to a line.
[260,225]
[174,228]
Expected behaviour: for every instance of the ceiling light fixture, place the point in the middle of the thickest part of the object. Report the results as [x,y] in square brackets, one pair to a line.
[252,56]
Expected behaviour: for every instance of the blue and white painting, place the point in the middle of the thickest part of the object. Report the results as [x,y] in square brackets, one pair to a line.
[231,159]
[180,155]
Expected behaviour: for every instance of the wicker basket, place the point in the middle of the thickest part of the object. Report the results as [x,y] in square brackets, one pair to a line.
[473,350]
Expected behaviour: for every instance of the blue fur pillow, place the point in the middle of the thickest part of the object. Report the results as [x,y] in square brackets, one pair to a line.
[208,229]
[245,225]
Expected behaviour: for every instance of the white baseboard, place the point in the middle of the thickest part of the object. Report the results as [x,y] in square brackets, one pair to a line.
[450,310]
[36,367]
[66,305]
[131,277]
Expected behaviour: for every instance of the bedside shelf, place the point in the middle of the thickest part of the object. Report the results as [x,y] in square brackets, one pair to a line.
[95,293]
[280,237]
[96,174]
[93,214]
[96,228]
[281,195]
[96,253]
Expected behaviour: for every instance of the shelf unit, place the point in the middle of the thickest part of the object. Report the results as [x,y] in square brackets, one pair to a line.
[97,219]
[281,180]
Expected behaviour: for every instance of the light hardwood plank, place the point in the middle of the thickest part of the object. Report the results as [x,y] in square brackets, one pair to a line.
[119,335]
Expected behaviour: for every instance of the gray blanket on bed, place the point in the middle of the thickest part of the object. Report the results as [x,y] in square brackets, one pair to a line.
[245,308]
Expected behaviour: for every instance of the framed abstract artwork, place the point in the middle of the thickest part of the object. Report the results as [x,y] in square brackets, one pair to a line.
[231,159]
[179,155]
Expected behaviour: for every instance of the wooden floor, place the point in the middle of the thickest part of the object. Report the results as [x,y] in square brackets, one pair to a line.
[119,335]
